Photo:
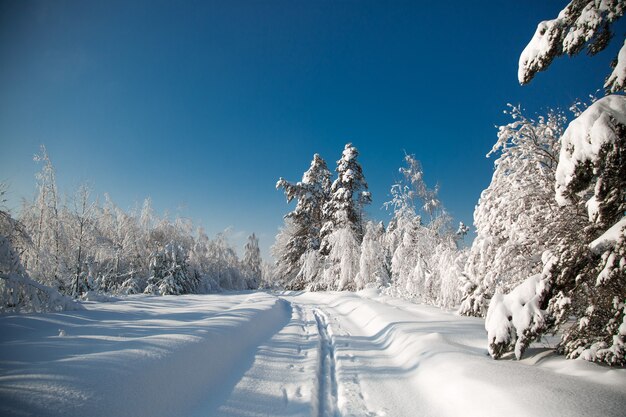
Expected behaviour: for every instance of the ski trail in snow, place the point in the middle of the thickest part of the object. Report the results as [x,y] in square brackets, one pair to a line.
[326,372]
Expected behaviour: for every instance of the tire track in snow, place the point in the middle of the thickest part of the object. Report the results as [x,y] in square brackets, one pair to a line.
[326,372]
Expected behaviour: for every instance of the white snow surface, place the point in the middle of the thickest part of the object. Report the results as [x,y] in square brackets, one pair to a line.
[610,238]
[583,139]
[290,354]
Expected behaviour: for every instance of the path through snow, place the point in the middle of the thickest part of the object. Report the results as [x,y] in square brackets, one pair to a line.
[299,354]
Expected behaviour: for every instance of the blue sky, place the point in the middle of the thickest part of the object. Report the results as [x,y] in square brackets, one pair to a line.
[203,105]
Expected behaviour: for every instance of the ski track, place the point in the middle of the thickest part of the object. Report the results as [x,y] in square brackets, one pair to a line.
[326,371]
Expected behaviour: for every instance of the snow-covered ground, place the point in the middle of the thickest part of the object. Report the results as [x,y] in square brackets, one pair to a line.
[296,354]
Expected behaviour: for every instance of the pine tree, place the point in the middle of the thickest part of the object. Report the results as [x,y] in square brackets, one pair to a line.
[302,226]
[343,229]
[591,273]
[169,272]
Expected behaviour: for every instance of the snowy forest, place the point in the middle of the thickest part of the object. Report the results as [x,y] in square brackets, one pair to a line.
[548,256]
[78,247]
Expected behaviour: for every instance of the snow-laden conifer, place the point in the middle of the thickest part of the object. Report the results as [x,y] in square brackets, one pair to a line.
[301,232]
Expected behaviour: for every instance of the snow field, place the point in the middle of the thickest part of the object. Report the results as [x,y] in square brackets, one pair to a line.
[396,358]
[295,354]
[145,356]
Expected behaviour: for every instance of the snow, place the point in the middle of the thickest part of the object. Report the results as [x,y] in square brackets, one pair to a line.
[515,313]
[291,354]
[584,138]
[617,78]
[539,50]
[609,238]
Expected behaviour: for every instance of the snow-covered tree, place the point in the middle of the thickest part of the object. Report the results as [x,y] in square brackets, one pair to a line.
[170,272]
[18,292]
[41,220]
[342,263]
[302,226]
[592,171]
[418,249]
[348,197]
[516,216]
[581,24]
[373,267]
[252,262]
[584,271]
[81,235]
[343,229]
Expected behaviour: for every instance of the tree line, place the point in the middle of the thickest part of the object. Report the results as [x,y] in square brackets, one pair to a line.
[77,244]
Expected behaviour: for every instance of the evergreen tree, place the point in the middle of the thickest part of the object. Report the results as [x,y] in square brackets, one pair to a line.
[169,272]
[348,196]
[591,273]
[343,229]
[302,226]
[581,24]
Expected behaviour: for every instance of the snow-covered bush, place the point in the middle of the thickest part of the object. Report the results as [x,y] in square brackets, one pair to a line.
[514,320]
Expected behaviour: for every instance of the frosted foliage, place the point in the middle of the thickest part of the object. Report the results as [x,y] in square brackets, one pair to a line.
[303,225]
[516,215]
[616,81]
[348,196]
[310,272]
[20,293]
[449,268]
[287,259]
[252,262]
[583,23]
[372,264]
[342,261]
[514,319]
[583,143]
[169,272]
[583,279]
[614,236]
[592,271]
[41,218]
[75,245]
[424,260]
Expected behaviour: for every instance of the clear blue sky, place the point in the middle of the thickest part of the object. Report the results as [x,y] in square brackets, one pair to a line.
[203,105]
